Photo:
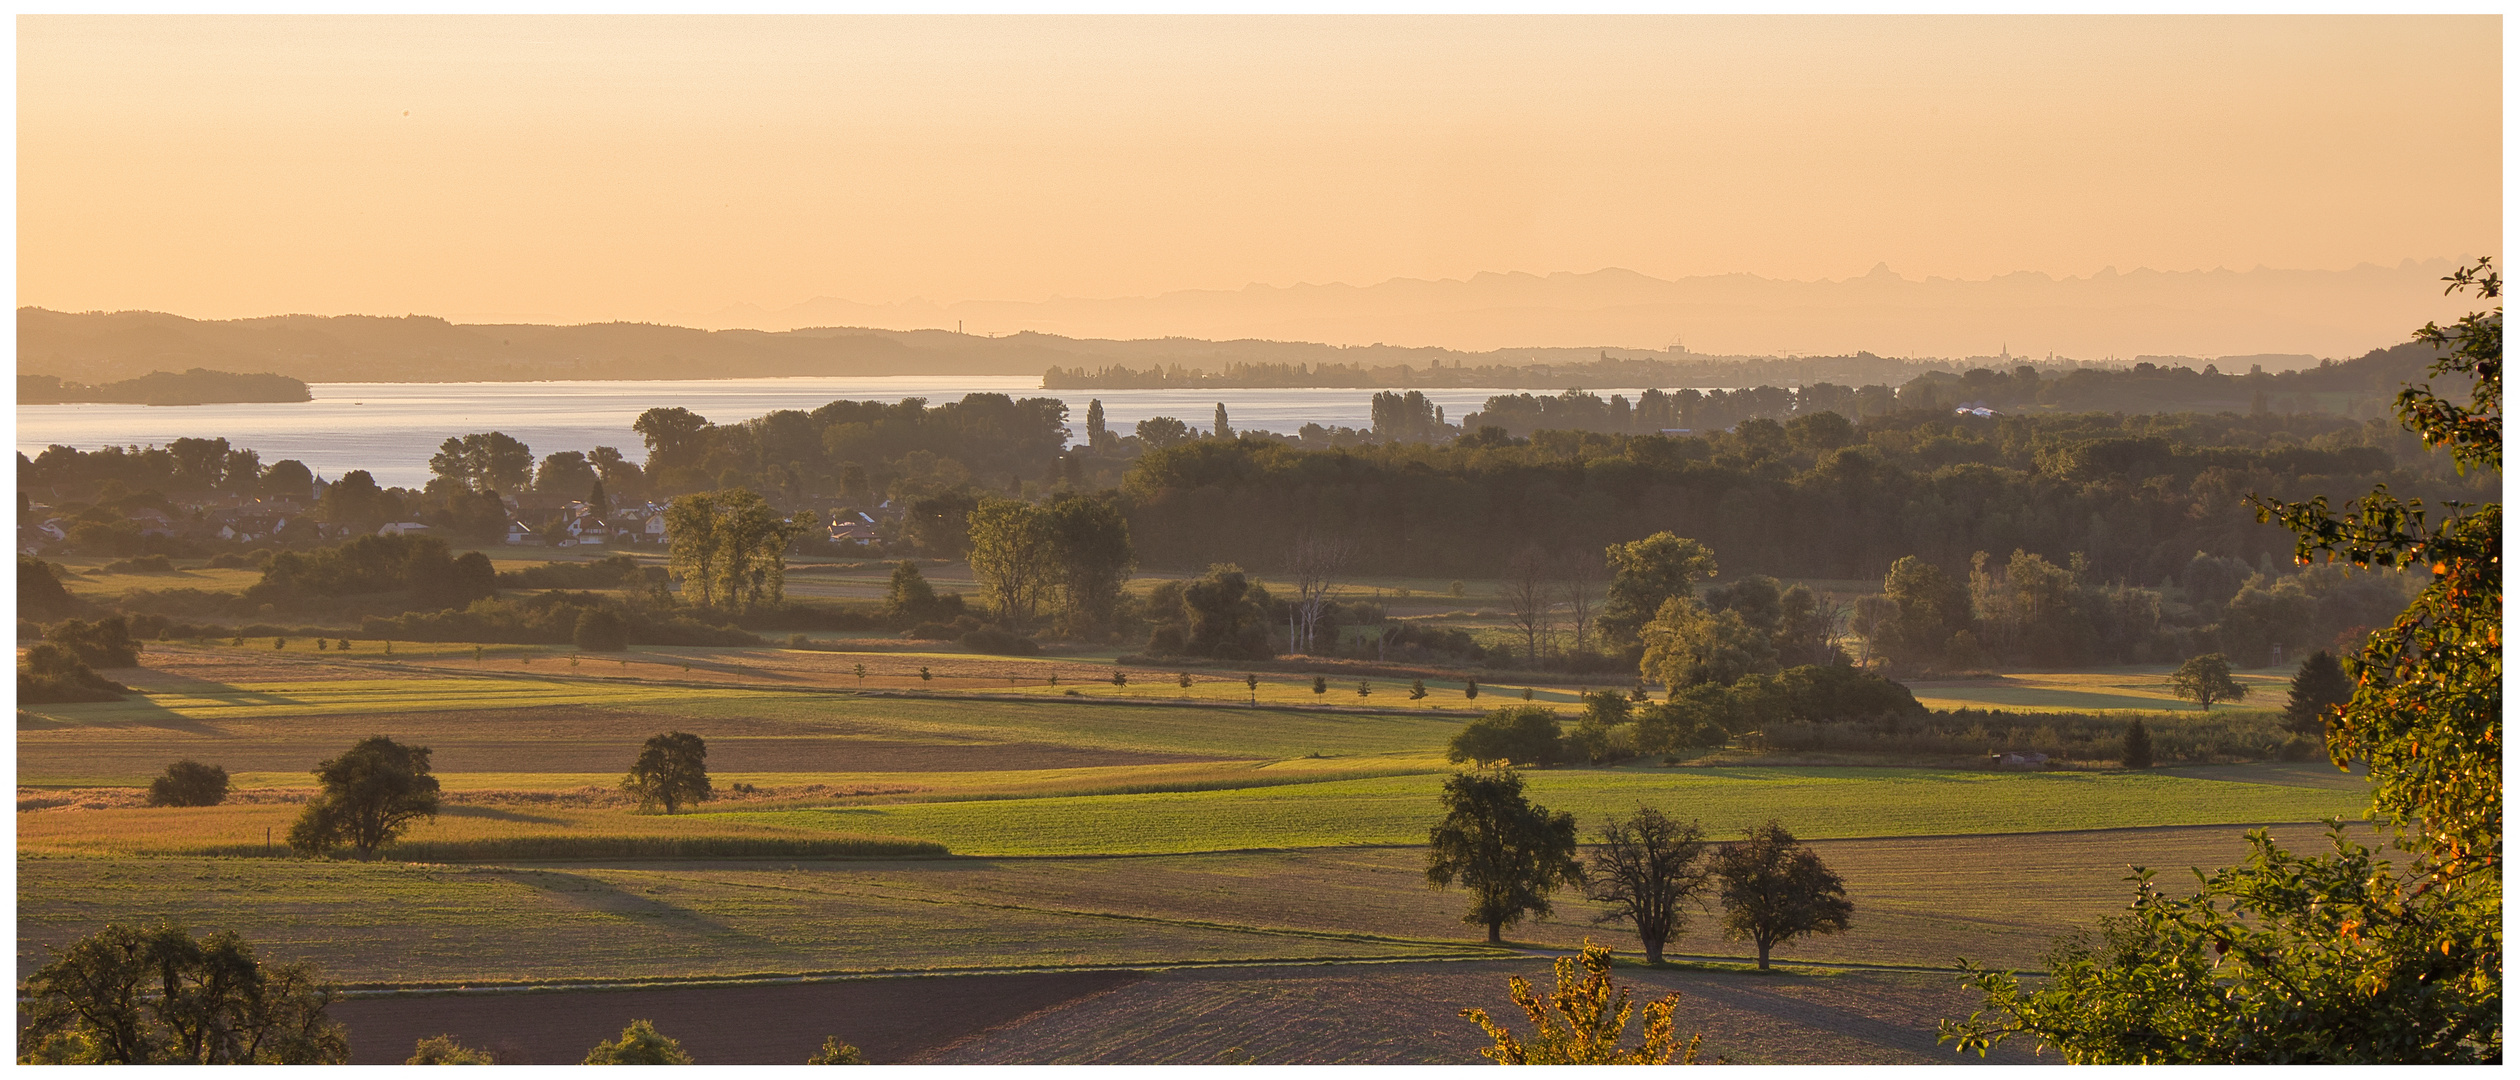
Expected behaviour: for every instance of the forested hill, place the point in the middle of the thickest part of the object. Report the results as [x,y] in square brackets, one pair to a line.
[96,347]
[194,387]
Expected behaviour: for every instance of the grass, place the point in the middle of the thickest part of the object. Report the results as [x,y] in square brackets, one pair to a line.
[2143,688]
[1398,810]
[399,923]
[1917,901]
[461,833]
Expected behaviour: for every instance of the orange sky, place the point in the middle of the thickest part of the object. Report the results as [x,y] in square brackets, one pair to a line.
[576,169]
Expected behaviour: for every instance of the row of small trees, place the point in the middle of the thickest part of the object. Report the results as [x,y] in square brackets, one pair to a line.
[1511,855]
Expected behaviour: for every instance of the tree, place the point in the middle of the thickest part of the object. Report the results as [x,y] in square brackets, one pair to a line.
[1313,563]
[1517,735]
[565,473]
[1775,889]
[2205,680]
[105,643]
[909,596]
[1599,729]
[599,630]
[129,995]
[189,783]
[487,461]
[444,1050]
[356,501]
[1928,608]
[640,1044]
[2139,749]
[1090,560]
[1096,428]
[1509,854]
[1227,615]
[835,1052]
[289,479]
[728,549]
[1159,432]
[1582,1022]
[1529,592]
[1688,644]
[1012,553]
[1647,869]
[1580,575]
[49,674]
[2317,690]
[2339,957]
[2285,960]
[371,794]
[1644,575]
[1223,429]
[672,769]
[674,438]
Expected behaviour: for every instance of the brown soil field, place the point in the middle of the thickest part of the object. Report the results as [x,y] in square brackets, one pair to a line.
[892,1020]
[1392,1014]
[1383,1013]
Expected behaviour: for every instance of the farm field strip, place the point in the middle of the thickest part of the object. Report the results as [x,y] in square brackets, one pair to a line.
[1918,901]
[2087,691]
[419,924]
[1398,810]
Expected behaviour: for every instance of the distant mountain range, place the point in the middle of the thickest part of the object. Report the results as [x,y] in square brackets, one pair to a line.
[2109,314]
[2278,318]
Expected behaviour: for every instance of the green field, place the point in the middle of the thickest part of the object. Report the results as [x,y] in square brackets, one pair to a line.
[1083,830]
[1398,810]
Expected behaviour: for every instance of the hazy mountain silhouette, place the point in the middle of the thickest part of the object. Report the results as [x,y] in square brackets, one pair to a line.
[2107,314]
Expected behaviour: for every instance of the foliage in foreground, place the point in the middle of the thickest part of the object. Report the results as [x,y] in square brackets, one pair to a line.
[835,1052]
[639,1044]
[444,1050]
[1582,1022]
[126,995]
[2339,958]
[2285,960]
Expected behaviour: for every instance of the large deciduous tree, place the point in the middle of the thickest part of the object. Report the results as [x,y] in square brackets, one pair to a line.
[728,549]
[1515,735]
[1014,559]
[2339,957]
[1647,870]
[2205,680]
[1687,644]
[371,794]
[484,461]
[672,769]
[1647,573]
[1510,854]
[1090,560]
[131,995]
[1776,889]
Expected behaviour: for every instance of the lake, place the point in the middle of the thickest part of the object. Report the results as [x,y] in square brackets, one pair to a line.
[390,429]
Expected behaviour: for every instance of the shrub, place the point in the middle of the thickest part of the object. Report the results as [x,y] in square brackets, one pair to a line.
[50,675]
[1521,735]
[599,630]
[835,1052]
[189,783]
[998,641]
[444,1050]
[103,643]
[640,1044]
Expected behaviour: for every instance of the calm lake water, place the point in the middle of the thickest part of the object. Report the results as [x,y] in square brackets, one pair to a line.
[390,429]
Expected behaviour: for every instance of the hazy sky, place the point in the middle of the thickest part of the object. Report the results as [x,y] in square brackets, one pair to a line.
[642,168]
